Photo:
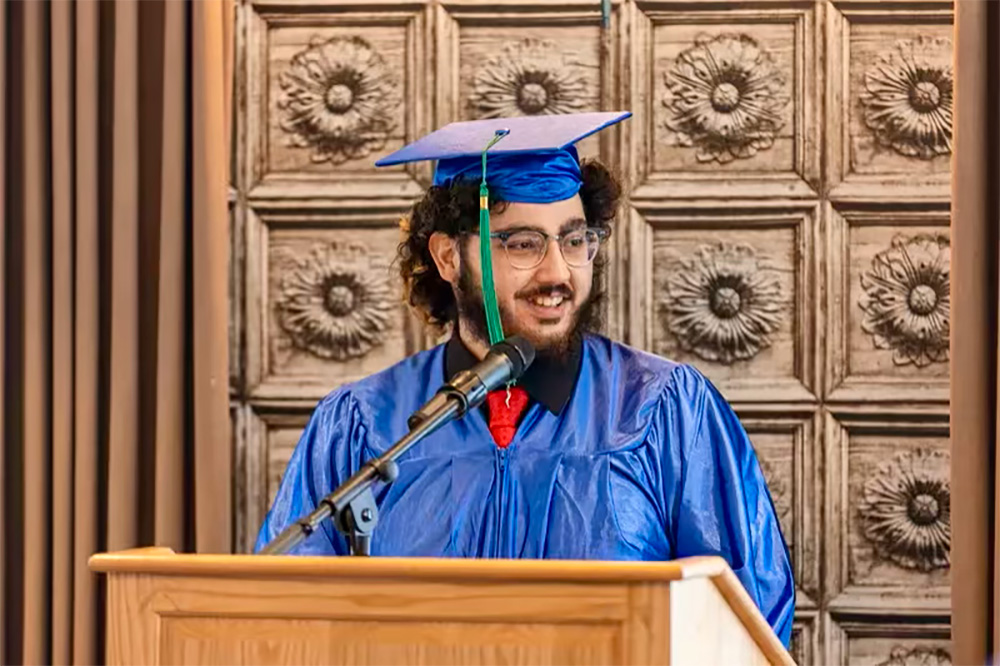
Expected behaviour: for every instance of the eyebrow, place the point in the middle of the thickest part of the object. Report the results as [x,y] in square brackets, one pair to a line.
[569,225]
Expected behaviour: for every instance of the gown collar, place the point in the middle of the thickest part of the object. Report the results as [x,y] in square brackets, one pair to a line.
[547,381]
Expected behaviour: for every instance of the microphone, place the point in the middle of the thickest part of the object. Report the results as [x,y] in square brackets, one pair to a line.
[352,505]
[505,362]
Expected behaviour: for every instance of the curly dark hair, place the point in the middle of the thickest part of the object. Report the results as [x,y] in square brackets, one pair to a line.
[455,209]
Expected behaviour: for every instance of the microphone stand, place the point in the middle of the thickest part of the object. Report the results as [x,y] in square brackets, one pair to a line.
[352,504]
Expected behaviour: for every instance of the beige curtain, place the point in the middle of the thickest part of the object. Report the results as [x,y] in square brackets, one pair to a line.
[974,334]
[113,307]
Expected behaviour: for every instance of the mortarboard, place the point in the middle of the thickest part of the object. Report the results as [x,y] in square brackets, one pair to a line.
[529,159]
[534,160]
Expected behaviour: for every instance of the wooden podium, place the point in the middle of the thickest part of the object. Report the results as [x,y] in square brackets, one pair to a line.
[165,608]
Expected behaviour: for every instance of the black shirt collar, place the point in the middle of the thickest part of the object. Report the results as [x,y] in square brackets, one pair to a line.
[548,381]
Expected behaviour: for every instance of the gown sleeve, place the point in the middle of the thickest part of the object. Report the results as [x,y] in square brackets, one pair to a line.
[720,503]
[327,453]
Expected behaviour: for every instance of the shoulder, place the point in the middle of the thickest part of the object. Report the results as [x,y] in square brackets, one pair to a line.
[381,402]
[400,375]
[641,397]
[649,373]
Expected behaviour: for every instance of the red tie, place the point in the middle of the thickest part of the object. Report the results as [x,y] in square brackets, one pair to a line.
[503,417]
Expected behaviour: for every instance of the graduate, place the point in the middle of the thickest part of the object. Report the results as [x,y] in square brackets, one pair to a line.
[599,451]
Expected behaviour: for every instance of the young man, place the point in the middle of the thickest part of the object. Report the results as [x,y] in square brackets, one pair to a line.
[599,451]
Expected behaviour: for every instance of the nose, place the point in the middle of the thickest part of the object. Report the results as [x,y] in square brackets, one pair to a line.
[553,269]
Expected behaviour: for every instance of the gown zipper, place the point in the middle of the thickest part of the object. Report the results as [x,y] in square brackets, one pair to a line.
[503,463]
[501,500]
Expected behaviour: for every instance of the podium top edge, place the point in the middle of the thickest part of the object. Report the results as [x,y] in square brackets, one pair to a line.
[165,561]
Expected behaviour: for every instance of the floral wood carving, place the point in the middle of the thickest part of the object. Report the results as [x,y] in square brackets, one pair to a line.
[338,97]
[336,302]
[908,97]
[721,305]
[527,77]
[918,656]
[906,510]
[906,300]
[725,96]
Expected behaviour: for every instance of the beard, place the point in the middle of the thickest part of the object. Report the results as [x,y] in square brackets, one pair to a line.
[585,319]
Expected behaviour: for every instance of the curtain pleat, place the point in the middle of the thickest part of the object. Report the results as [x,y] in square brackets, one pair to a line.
[172,428]
[35,317]
[975,248]
[62,334]
[149,117]
[86,334]
[210,267]
[4,98]
[123,480]
[113,386]
[13,524]
[974,334]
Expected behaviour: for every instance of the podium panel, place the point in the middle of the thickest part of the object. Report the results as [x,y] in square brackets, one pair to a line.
[165,608]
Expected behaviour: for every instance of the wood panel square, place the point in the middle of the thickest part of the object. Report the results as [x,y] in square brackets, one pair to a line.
[324,301]
[804,647]
[515,60]
[730,292]
[890,492]
[891,93]
[329,92]
[889,305]
[786,445]
[725,100]
[270,438]
[888,642]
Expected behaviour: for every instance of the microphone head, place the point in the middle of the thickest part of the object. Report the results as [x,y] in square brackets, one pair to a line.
[518,351]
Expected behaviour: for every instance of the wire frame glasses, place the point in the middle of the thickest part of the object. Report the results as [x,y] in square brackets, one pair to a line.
[527,248]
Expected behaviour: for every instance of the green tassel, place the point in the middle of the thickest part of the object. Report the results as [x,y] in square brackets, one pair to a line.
[493,324]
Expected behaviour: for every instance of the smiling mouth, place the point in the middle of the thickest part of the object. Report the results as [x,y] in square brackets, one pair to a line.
[548,308]
[548,301]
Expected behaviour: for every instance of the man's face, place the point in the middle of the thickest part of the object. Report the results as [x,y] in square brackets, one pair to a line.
[543,303]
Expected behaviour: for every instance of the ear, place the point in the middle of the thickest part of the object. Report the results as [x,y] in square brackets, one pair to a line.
[445,252]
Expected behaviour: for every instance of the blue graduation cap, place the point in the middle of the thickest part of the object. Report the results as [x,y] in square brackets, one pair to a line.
[529,159]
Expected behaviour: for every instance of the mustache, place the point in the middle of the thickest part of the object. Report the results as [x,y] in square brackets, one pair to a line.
[563,290]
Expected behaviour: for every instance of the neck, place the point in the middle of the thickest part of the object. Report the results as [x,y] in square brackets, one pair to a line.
[472,342]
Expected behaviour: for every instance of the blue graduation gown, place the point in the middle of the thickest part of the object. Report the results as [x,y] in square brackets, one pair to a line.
[647,461]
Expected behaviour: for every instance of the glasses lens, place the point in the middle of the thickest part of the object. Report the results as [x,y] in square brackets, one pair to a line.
[580,247]
[525,249]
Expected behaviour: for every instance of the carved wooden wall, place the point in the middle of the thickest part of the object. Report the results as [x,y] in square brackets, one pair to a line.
[787,233]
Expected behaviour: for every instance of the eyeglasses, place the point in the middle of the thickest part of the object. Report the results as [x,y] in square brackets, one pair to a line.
[527,248]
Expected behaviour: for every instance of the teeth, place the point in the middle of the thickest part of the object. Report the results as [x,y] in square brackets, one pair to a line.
[548,301]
